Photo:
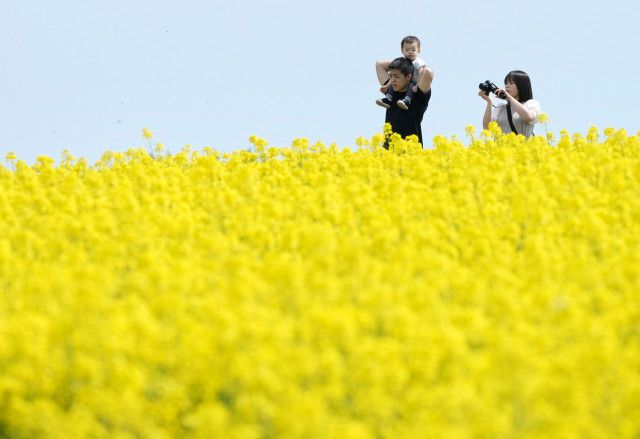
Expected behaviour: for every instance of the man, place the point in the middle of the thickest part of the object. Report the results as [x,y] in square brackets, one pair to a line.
[399,73]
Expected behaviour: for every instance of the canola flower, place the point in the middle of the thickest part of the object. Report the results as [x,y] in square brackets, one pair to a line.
[313,291]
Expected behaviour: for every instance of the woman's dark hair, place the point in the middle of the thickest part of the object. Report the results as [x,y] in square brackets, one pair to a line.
[522,81]
[403,64]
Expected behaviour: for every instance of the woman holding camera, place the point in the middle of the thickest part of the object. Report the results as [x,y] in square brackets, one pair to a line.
[520,113]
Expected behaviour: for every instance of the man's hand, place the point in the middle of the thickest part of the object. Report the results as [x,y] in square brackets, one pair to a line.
[384,88]
[425,79]
[382,71]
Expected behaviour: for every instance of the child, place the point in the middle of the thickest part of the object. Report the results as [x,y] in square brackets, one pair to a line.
[410,47]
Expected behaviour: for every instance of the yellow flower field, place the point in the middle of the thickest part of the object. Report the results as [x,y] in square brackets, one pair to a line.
[481,291]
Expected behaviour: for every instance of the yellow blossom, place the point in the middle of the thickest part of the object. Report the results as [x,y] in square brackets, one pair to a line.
[543,118]
[551,137]
[470,130]
[592,136]
[316,290]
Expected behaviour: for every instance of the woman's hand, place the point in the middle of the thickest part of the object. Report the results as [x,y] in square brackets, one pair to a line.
[502,94]
[484,96]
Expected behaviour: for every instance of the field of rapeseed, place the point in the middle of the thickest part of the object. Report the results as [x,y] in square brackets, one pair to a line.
[486,291]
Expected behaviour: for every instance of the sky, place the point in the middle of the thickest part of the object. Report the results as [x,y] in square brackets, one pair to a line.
[88,76]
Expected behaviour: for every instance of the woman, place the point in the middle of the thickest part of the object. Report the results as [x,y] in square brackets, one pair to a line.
[524,109]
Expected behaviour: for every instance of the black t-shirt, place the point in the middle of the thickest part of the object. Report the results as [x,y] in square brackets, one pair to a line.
[406,122]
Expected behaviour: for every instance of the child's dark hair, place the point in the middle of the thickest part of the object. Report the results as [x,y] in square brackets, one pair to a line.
[408,40]
[522,81]
[403,64]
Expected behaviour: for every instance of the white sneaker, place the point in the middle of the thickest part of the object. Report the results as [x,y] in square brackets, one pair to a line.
[402,104]
[384,102]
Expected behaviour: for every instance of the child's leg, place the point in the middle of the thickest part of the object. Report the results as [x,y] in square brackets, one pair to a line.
[388,97]
[406,101]
[409,94]
[389,93]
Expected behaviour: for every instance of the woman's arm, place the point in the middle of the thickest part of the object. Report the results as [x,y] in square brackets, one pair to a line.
[486,119]
[526,115]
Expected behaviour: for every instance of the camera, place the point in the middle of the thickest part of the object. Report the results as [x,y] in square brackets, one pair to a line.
[489,87]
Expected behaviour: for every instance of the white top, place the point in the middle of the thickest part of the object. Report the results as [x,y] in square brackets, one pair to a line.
[499,114]
[417,63]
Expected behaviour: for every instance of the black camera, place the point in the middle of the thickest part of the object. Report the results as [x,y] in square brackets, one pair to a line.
[489,87]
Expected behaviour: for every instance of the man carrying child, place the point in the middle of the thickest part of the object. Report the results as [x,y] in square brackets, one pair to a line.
[406,82]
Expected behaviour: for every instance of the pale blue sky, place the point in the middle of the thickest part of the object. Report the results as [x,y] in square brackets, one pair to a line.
[89,75]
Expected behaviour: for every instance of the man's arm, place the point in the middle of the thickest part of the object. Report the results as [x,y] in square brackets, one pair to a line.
[425,80]
[382,70]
